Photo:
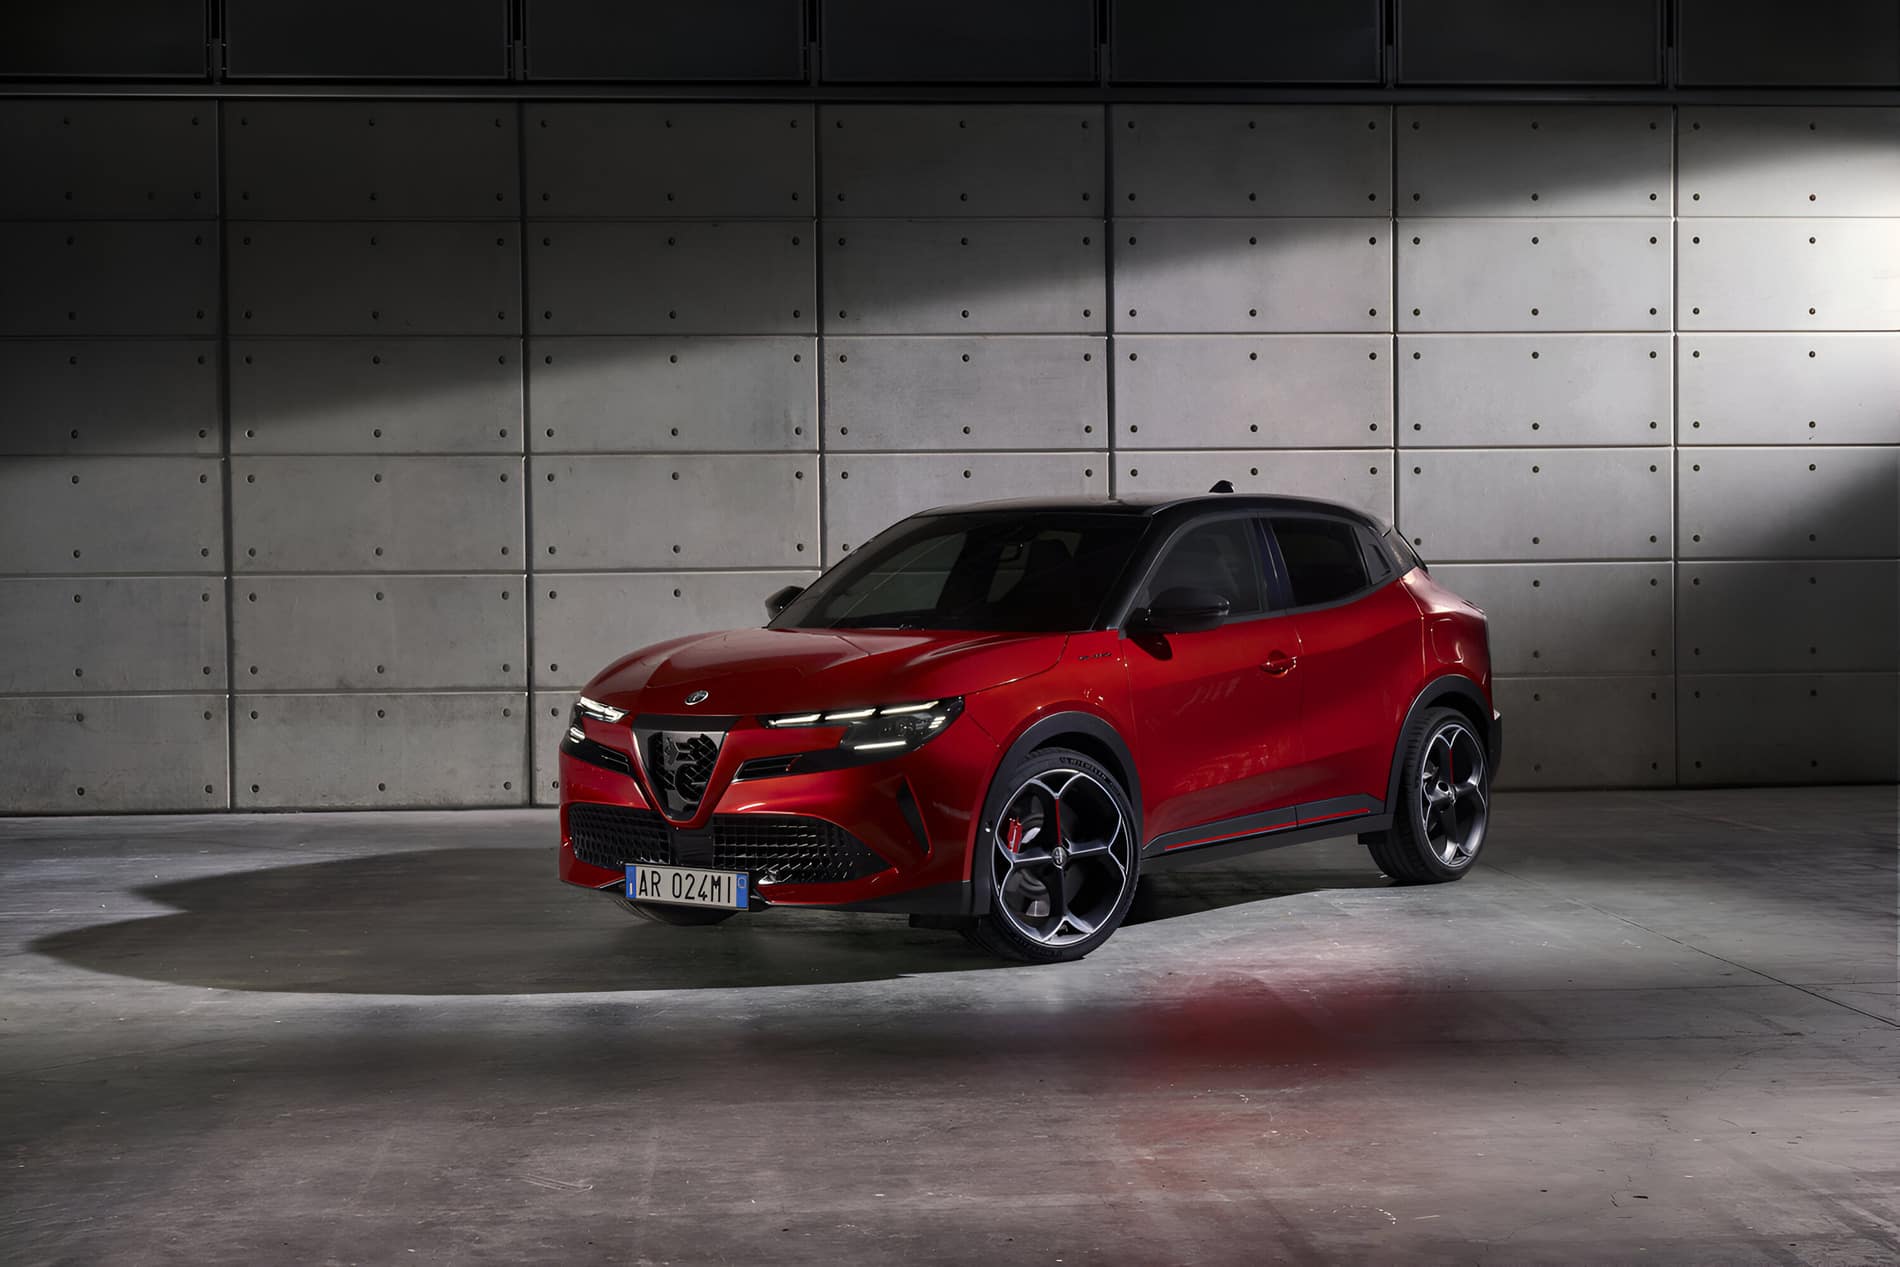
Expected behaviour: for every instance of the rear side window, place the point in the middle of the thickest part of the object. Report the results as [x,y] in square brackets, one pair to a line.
[1323,560]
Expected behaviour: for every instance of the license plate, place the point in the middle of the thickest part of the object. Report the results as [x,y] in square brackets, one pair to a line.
[687,886]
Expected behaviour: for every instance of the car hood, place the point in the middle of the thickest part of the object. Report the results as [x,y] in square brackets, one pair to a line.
[748,671]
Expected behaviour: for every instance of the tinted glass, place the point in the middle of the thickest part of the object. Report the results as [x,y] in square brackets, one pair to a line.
[1037,573]
[1215,556]
[1323,562]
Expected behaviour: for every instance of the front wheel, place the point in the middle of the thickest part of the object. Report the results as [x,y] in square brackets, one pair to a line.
[1062,854]
[1444,803]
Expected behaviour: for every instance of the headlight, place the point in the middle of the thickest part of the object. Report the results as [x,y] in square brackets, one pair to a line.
[598,711]
[878,732]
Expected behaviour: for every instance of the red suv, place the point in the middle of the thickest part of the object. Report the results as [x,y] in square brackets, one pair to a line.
[996,717]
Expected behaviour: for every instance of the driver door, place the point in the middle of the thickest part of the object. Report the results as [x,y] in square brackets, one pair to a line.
[1217,712]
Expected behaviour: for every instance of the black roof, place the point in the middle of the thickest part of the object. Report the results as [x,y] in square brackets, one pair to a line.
[1150,504]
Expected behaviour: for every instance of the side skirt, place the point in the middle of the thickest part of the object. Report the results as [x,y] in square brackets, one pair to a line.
[1227,838]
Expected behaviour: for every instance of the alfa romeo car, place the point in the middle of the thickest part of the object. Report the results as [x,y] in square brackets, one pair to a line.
[996,717]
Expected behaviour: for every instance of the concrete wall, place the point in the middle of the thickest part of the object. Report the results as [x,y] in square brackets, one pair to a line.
[341,440]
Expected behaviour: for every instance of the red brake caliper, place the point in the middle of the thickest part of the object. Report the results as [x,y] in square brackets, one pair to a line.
[1013,835]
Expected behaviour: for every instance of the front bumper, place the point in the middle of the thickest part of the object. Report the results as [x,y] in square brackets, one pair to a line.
[914,815]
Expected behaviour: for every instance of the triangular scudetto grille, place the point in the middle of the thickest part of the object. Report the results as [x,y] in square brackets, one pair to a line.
[679,766]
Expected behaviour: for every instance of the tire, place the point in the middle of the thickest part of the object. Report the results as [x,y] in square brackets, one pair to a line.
[1441,816]
[1093,884]
[677,916]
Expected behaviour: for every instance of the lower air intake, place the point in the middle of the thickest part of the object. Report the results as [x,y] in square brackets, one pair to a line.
[771,848]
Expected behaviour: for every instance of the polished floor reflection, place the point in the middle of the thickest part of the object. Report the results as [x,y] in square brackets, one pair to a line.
[1652,1027]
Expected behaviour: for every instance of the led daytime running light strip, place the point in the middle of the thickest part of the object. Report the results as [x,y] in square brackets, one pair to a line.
[843,716]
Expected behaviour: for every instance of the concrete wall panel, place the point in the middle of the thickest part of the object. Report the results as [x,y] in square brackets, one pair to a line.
[1572,618]
[1820,616]
[971,393]
[87,278]
[1252,160]
[1254,391]
[1522,390]
[89,754]
[656,395]
[1534,160]
[120,634]
[1357,477]
[373,514]
[684,277]
[550,723]
[121,160]
[604,512]
[1789,274]
[1789,161]
[376,395]
[1790,503]
[962,277]
[974,160]
[585,621]
[1572,504]
[380,751]
[638,160]
[1790,389]
[1806,728]
[103,396]
[1588,731]
[868,492]
[379,633]
[369,278]
[1188,276]
[63,515]
[358,160]
[1500,275]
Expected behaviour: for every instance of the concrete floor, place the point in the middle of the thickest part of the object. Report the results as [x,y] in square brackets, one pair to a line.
[1651,1027]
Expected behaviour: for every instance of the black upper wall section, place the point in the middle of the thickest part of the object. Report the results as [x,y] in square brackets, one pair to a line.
[116,39]
[366,39]
[1234,42]
[1597,42]
[666,40]
[970,41]
[1608,45]
[1774,43]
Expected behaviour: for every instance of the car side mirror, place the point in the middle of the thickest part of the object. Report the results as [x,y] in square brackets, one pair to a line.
[1183,609]
[779,600]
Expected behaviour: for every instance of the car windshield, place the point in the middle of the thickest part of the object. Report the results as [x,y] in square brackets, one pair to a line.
[1022,572]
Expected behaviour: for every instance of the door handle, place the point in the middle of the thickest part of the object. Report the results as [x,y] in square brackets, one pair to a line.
[1279,662]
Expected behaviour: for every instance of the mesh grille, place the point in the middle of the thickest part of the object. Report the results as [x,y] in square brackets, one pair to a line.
[771,848]
[782,849]
[612,835]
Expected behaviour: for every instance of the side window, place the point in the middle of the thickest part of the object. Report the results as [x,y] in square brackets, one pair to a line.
[1215,556]
[1323,559]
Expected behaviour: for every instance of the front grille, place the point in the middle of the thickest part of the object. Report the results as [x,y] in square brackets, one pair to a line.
[613,835]
[785,849]
[679,765]
[771,848]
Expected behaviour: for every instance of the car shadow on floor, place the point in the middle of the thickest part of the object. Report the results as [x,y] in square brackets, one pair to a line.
[495,921]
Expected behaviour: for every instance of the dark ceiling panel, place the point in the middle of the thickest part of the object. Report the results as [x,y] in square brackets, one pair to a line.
[1788,43]
[1530,41]
[366,39]
[988,41]
[666,40]
[80,39]
[1246,42]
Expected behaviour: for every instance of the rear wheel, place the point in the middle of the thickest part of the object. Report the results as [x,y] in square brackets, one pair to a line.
[1062,857]
[1444,802]
[677,916]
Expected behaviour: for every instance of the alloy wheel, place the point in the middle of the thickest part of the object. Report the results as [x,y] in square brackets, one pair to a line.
[1062,858]
[1454,794]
